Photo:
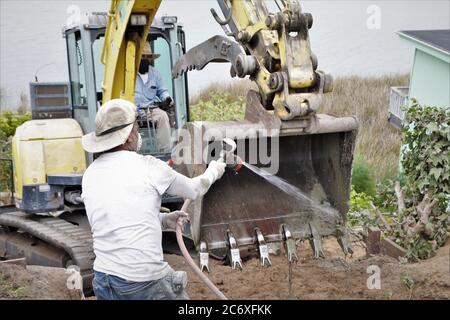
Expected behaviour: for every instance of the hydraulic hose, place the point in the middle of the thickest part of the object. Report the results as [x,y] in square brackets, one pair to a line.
[188,258]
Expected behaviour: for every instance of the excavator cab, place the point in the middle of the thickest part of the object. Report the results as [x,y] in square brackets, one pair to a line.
[84,47]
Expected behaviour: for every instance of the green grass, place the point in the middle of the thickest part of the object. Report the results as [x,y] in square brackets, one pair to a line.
[378,142]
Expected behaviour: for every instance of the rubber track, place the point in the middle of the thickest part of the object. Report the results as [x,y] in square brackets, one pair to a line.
[59,233]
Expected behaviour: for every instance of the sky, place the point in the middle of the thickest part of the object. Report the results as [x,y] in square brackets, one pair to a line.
[349,37]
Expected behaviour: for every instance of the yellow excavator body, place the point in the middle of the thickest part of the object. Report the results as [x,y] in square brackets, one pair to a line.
[46,147]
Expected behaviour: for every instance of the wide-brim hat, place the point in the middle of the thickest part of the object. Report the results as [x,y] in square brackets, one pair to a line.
[113,124]
[148,53]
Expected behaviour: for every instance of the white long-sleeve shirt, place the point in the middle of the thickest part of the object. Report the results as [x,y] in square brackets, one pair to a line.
[122,194]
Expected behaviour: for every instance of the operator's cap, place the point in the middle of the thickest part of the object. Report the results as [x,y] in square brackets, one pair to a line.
[113,124]
[148,53]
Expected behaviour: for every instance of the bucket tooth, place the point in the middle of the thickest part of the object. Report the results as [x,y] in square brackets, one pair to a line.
[263,249]
[235,255]
[289,244]
[316,242]
[345,243]
[204,257]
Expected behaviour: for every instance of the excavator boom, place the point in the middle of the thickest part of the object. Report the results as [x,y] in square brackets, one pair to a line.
[126,32]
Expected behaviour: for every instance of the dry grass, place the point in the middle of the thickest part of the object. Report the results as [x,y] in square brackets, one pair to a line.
[236,89]
[378,141]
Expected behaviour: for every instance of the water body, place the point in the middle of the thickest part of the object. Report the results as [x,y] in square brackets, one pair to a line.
[31,40]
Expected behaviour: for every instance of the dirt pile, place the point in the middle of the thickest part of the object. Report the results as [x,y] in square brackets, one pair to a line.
[334,277]
[35,282]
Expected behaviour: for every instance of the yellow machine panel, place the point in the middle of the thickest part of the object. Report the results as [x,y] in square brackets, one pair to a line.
[43,147]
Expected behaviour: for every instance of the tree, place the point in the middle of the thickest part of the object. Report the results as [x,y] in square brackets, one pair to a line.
[24,104]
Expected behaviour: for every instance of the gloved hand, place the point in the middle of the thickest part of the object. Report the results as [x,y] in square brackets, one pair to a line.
[169,220]
[217,168]
[142,114]
[168,102]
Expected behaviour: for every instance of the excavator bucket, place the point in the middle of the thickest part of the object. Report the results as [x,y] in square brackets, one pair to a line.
[251,207]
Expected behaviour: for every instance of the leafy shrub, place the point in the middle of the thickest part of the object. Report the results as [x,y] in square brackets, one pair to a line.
[221,106]
[362,176]
[385,196]
[10,121]
[8,124]
[426,164]
[360,213]
[426,149]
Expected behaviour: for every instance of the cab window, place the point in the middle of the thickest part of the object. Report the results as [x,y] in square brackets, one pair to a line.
[76,69]
[164,63]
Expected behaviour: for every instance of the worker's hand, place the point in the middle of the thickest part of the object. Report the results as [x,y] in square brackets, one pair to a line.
[142,115]
[170,219]
[217,168]
[168,102]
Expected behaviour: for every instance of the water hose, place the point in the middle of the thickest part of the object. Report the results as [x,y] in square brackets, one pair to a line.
[188,258]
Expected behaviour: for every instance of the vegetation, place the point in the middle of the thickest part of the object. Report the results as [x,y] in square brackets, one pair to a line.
[9,121]
[417,214]
[363,180]
[219,106]
[426,150]
[11,290]
[423,218]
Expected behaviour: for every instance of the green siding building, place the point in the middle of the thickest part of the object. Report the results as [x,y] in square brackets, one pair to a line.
[430,74]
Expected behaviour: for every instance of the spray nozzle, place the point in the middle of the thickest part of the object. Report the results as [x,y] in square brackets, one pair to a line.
[228,147]
[227,154]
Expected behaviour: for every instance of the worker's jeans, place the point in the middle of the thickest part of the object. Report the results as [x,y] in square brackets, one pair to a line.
[109,287]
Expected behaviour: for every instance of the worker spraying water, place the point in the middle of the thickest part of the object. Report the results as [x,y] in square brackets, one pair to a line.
[234,162]
[122,193]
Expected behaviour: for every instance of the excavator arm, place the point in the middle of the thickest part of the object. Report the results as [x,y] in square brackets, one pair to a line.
[126,32]
[273,49]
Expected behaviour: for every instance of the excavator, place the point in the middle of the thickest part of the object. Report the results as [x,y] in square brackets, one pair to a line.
[246,210]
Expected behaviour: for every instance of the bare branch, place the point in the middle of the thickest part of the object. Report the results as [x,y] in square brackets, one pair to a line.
[423,210]
[400,197]
[380,216]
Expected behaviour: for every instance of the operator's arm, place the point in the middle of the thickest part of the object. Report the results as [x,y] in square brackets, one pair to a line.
[161,91]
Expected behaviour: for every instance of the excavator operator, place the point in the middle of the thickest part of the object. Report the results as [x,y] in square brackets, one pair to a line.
[150,89]
[122,192]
